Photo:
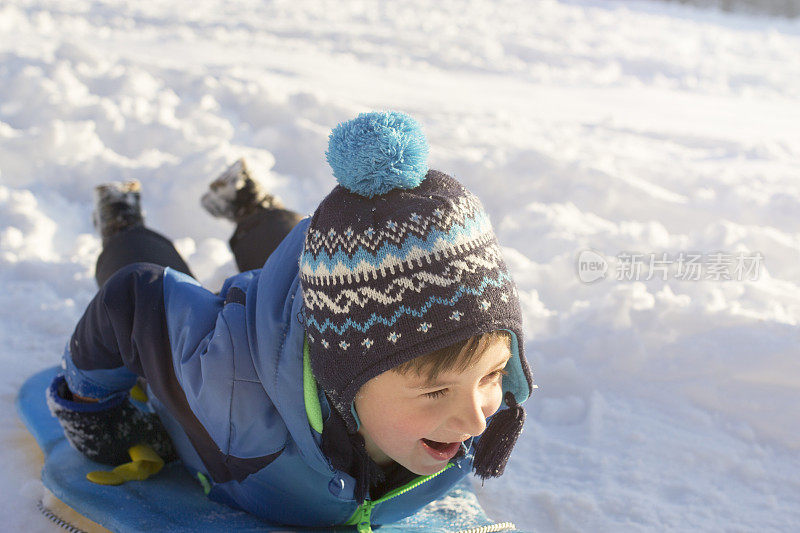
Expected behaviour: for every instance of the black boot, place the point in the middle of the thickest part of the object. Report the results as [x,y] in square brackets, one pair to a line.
[117,207]
[235,195]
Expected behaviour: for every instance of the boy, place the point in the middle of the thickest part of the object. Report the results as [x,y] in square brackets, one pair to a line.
[363,357]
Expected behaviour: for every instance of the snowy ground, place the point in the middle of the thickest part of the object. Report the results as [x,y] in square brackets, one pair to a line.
[622,128]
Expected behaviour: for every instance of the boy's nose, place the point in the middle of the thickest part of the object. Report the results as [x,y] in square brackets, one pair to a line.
[470,415]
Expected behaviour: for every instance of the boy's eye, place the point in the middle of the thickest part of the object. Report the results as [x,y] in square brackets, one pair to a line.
[435,394]
[497,375]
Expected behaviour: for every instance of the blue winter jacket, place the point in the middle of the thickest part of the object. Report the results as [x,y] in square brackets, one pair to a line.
[225,373]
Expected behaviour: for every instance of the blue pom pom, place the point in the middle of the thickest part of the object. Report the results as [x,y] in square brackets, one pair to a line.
[378,152]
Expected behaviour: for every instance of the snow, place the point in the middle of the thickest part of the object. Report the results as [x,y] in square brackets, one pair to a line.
[639,127]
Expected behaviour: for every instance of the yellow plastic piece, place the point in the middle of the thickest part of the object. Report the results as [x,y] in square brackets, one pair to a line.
[138,394]
[144,463]
[105,477]
[143,452]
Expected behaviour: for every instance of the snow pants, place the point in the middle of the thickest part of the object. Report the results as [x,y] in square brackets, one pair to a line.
[252,242]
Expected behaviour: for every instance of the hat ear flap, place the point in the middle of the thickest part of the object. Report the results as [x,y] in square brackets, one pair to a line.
[519,381]
[495,445]
[497,441]
[355,415]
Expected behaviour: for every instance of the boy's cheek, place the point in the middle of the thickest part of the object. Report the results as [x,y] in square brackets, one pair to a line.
[413,425]
[395,424]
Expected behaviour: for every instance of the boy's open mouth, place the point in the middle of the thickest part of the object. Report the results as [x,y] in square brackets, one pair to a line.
[436,445]
[442,451]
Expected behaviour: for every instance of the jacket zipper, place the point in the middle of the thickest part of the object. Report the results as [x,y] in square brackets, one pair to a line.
[362,517]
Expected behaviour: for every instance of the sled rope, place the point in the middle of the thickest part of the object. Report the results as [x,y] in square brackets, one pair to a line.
[500,526]
[57,520]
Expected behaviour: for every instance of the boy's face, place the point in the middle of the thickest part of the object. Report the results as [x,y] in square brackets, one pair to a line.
[399,413]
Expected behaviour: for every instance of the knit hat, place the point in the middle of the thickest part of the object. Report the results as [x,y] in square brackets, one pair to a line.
[400,261]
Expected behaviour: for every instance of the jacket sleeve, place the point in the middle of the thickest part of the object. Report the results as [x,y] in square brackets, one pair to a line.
[186,342]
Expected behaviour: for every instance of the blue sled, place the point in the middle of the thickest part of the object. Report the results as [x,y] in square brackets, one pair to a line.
[173,501]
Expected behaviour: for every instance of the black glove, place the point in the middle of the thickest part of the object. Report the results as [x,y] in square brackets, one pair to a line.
[103,431]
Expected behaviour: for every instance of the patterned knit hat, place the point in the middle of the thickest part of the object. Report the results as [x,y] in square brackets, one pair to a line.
[399,261]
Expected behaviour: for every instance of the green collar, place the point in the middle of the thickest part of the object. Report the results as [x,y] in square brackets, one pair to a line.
[310,392]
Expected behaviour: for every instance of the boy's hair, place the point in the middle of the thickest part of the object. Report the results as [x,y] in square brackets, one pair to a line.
[454,358]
